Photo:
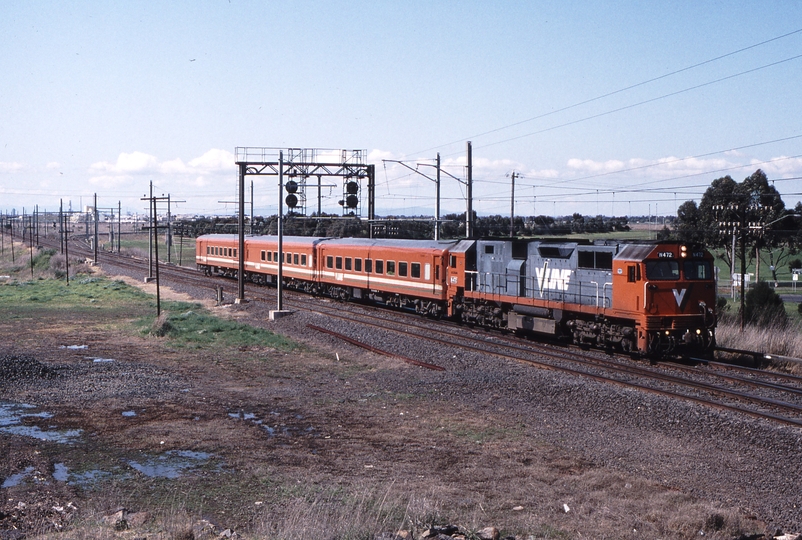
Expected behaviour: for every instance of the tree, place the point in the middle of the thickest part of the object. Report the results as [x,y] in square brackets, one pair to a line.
[688,227]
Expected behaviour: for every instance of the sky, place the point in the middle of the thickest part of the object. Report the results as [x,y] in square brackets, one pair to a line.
[596,107]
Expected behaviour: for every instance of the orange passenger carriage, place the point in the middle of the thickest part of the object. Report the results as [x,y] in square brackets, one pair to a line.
[408,274]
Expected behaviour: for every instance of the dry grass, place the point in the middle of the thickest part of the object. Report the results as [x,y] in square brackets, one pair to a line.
[782,340]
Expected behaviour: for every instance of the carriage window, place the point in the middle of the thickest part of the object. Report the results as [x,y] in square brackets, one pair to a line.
[338,263]
[348,263]
[235,253]
[294,258]
[275,256]
[416,270]
[379,266]
[390,268]
[402,269]
[269,256]
[662,270]
[207,250]
[263,255]
[368,265]
[303,260]
[697,270]
[329,261]
[289,258]
[357,265]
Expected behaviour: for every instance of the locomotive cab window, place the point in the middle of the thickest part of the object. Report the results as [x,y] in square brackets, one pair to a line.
[402,269]
[416,270]
[658,270]
[490,249]
[453,262]
[697,270]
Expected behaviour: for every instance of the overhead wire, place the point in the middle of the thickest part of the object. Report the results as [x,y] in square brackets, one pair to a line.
[619,91]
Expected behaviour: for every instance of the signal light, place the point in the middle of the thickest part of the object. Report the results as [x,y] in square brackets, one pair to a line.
[292,188]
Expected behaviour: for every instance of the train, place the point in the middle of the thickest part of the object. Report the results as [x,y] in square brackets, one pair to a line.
[653,299]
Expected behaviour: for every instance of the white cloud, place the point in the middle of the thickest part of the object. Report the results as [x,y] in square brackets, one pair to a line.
[215,160]
[781,166]
[135,162]
[376,155]
[54,165]
[13,166]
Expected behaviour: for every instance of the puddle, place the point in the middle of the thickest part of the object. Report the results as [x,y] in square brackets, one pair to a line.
[171,464]
[275,429]
[16,479]
[129,414]
[12,416]
[74,347]
[61,473]
[99,360]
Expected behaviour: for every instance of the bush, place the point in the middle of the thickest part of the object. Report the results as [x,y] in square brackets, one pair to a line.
[795,264]
[764,307]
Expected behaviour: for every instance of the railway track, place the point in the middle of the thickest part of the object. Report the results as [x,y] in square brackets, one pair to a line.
[758,393]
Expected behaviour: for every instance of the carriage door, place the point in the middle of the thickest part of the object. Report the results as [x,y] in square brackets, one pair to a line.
[427,274]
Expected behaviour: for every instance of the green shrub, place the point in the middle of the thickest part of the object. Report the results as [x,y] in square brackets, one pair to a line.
[764,307]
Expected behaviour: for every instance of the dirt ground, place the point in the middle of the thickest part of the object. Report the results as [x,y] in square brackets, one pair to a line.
[322,442]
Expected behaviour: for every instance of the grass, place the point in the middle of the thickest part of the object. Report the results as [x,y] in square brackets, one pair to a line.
[193,328]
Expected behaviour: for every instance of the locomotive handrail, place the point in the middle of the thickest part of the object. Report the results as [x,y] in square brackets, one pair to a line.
[604,294]
[597,292]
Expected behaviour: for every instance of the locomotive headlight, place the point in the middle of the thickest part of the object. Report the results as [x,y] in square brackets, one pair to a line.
[698,331]
[683,251]
[668,333]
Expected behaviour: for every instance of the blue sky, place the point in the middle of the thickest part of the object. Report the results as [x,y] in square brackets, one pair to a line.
[103,97]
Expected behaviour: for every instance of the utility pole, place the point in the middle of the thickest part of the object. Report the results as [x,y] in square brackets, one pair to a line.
[66,251]
[469,193]
[61,223]
[169,237]
[119,224]
[437,201]
[241,250]
[512,205]
[94,218]
[150,236]
[280,232]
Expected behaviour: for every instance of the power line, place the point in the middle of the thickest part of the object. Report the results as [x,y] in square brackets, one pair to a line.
[597,98]
[644,102]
